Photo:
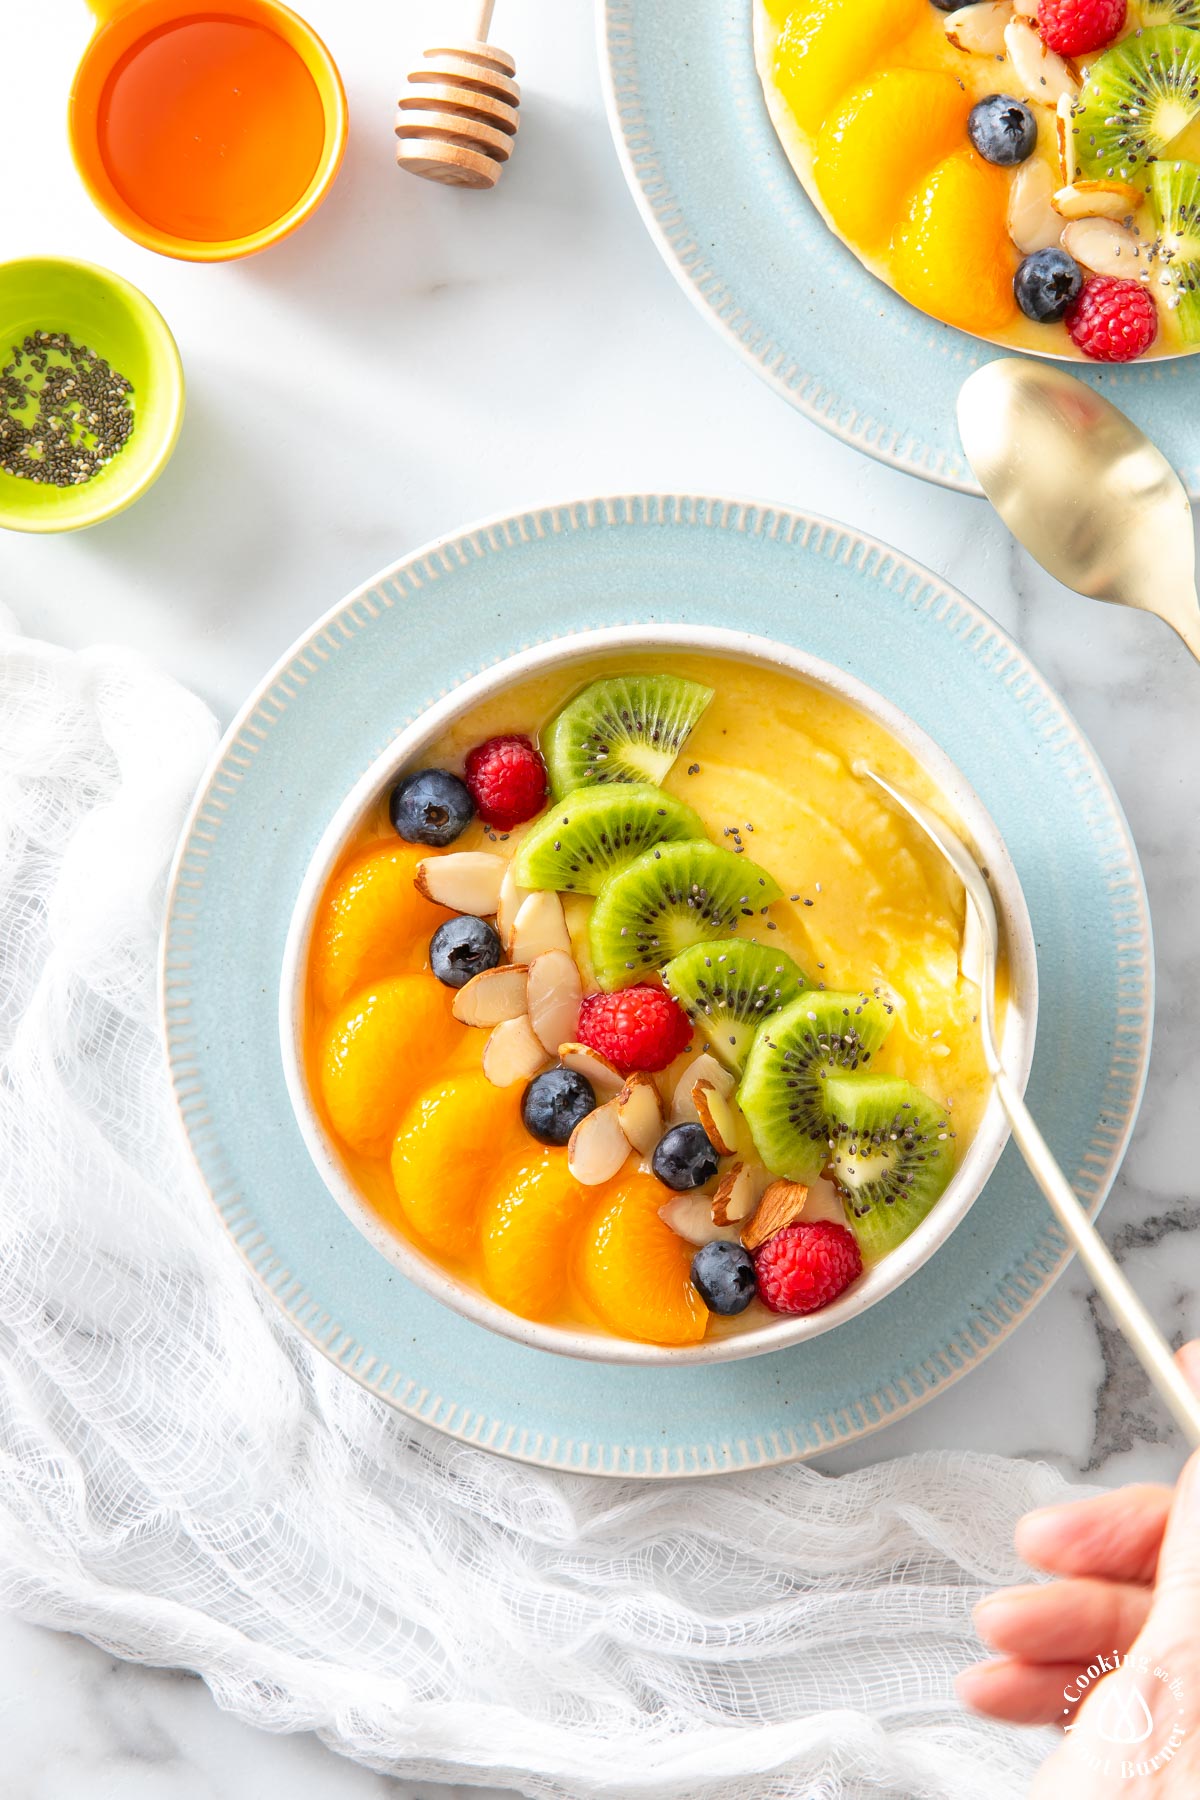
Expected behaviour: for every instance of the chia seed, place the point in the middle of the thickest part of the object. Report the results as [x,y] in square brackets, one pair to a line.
[63,427]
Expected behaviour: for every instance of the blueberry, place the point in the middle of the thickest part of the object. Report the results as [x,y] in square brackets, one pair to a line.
[431,807]
[1002,129]
[684,1158]
[1047,284]
[947,5]
[723,1276]
[461,948]
[554,1103]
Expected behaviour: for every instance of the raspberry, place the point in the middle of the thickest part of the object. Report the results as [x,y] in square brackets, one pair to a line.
[639,1028]
[803,1267]
[1113,321]
[507,779]
[1074,26]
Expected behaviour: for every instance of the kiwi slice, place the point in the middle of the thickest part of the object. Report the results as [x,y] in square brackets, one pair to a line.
[1136,99]
[666,899]
[1167,12]
[793,1058]
[729,987]
[1175,193]
[893,1156]
[584,837]
[623,728]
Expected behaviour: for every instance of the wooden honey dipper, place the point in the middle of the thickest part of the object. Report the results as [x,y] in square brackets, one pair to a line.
[459,114]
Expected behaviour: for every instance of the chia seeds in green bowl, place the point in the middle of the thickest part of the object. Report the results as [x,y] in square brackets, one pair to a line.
[91,394]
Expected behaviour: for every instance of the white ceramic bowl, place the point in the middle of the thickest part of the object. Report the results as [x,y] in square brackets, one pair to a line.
[754,1338]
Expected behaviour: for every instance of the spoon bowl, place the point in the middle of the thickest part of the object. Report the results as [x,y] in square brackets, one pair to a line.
[1083,488]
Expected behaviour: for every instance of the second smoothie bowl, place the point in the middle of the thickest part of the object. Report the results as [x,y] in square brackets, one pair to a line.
[622,1015]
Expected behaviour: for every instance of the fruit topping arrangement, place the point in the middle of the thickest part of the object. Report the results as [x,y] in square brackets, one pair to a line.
[1007,161]
[632,1094]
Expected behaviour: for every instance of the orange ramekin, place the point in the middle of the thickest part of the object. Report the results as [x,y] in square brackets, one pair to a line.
[125,27]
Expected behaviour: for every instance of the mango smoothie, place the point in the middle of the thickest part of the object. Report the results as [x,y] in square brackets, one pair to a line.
[1025,170]
[637,1009]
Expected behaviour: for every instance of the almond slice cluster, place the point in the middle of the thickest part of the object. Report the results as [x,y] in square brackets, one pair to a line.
[530,1008]
[530,1004]
[1091,220]
[746,1206]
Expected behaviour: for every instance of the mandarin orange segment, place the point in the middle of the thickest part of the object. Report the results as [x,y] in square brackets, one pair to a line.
[444,1157]
[526,1231]
[951,255]
[880,141]
[828,44]
[372,922]
[636,1272]
[377,1050]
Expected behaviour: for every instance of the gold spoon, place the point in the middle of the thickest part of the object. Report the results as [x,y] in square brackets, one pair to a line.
[1083,489]
[1140,1331]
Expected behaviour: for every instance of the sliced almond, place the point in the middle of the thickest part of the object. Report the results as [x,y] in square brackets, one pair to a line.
[979,30]
[716,1115]
[509,903]
[1042,75]
[760,1180]
[1107,248]
[492,996]
[540,925]
[467,881]
[701,1068]
[512,1053]
[604,1077]
[555,991]
[640,1110]
[1096,200]
[597,1146]
[690,1217]
[781,1205]
[733,1197]
[1068,131]
[1033,223]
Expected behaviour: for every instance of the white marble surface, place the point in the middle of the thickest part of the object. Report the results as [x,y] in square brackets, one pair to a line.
[415,358]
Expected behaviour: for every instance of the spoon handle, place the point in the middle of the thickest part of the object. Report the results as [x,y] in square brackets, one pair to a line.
[1143,1335]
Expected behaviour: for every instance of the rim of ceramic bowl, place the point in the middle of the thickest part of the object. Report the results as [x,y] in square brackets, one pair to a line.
[104,49]
[169,379]
[969,1178]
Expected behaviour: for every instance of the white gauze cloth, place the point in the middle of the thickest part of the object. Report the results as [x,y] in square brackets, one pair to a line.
[186,1483]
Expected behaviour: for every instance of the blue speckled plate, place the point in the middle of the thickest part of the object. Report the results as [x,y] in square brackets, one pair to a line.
[331,706]
[724,206]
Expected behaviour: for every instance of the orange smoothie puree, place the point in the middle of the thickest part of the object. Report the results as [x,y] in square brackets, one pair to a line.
[442,1155]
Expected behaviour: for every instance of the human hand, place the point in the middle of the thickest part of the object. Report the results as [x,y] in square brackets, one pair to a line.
[1111,1649]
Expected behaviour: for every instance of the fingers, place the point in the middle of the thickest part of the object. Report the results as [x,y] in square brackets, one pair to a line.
[1189,1361]
[1020,1693]
[1066,1621]
[1109,1549]
[1179,1561]
[1177,1601]
[1116,1537]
